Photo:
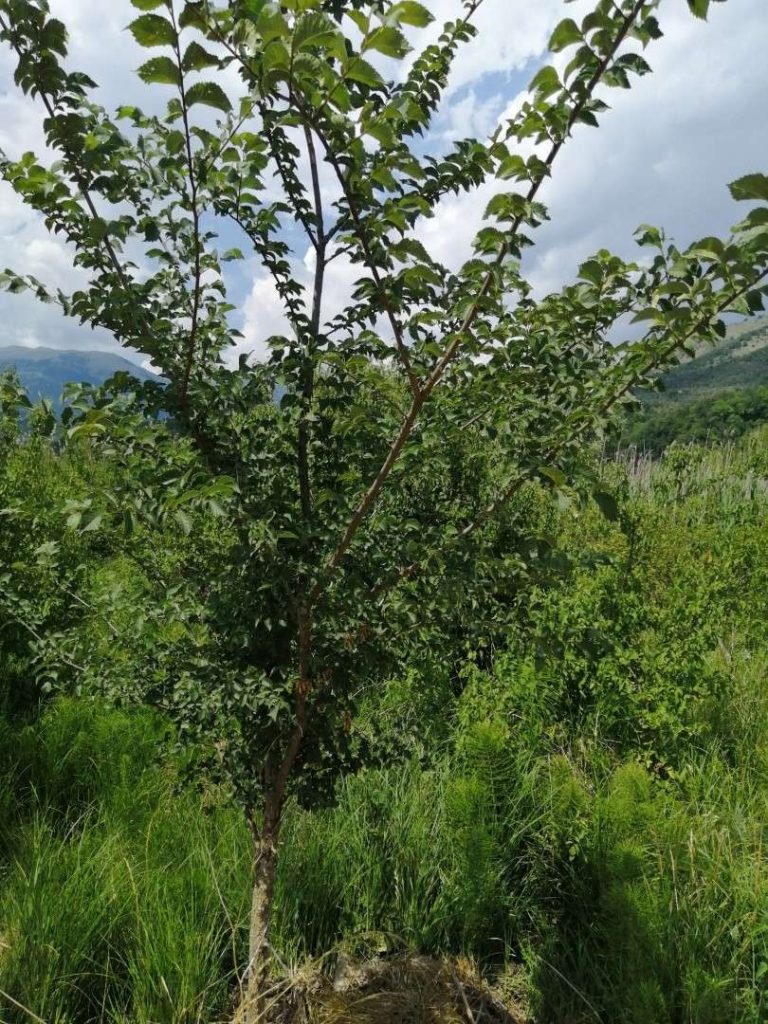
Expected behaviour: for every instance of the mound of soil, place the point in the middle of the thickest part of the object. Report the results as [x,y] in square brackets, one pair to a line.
[402,989]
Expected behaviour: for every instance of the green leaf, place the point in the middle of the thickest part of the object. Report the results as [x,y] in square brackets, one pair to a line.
[97,229]
[314,29]
[388,40]
[152,30]
[253,8]
[148,5]
[193,16]
[566,34]
[750,187]
[359,70]
[708,248]
[92,525]
[160,71]
[557,476]
[591,271]
[184,520]
[545,82]
[647,234]
[409,12]
[362,21]
[513,167]
[700,8]
[608,505]
[197,57]
[210,94]
[651,313]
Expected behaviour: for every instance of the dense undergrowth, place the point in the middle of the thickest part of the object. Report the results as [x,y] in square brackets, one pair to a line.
[582,811]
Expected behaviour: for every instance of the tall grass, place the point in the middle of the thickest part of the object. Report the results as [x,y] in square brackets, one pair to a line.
[120,896]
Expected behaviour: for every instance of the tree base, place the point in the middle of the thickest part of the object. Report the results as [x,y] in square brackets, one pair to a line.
[390,990]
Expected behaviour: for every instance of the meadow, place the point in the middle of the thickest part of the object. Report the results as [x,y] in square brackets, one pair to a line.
[579,810]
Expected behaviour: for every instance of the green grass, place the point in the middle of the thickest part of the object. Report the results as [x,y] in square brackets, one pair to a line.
[121,897]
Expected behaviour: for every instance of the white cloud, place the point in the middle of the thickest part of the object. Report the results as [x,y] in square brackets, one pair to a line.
[510,33]
[263,318]
[663,154]
[263,313]
[670,145]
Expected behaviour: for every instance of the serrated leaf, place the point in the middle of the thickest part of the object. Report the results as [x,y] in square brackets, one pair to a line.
[545,82]
[184,520]
[92,525]
[409,12]
[193,16]
[566,34]
[314,29]
[196,57]
[708,248]
[513,167]
[160,71]
[362,21]
[591,271]
[651,313]
[210,94]
[388,40]
[700,8]
[750,187]
[152,30]
[647,234]
[359,70]
[97,229]
[557,476]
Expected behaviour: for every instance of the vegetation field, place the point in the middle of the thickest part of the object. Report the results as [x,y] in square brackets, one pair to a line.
[579,805]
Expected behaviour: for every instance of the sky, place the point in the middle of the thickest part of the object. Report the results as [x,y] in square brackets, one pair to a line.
[663,155]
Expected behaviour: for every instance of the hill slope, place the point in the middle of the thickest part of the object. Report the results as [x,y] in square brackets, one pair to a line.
[45,371]
[720,394]
[739,361]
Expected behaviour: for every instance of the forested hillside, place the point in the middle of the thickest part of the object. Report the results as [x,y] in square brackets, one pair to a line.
[720,394]
[739,361]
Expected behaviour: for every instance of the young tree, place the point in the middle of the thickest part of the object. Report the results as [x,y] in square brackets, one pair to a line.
[365,471]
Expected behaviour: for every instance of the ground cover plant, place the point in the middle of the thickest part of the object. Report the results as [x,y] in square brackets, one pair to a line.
[371,480]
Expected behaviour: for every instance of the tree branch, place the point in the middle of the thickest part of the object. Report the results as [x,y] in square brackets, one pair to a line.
[521,479]
[192,198]
[75,171]
[308,371]
[422,395]
[370,262]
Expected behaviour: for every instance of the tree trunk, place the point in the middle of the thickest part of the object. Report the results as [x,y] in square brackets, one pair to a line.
[253,1006]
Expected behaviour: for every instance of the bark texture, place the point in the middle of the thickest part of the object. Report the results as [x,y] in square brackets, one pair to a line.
[253,1007]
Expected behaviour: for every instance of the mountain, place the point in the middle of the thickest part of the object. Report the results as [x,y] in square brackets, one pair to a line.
[45,371]
[740,360]
[719,394]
